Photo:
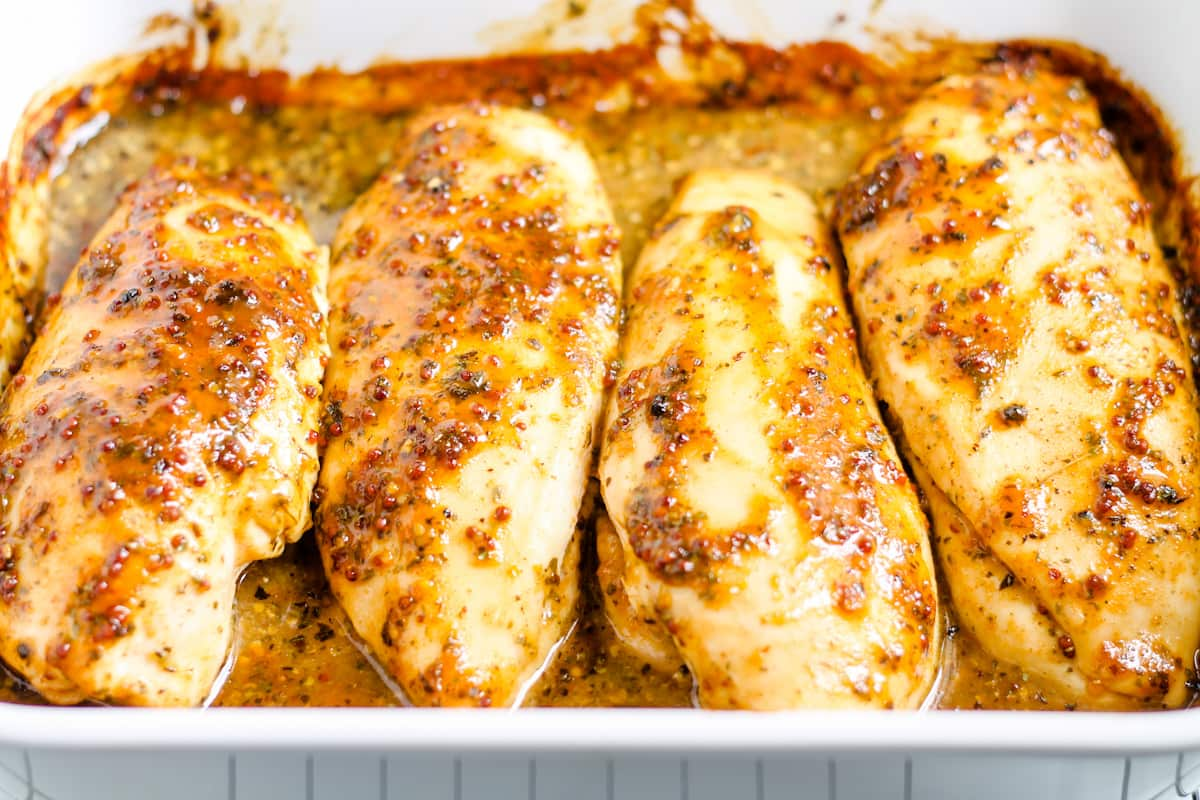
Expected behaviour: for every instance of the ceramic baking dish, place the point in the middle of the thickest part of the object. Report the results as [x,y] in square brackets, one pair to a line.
[313,752]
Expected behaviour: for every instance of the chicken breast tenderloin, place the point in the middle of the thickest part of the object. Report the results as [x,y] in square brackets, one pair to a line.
[161,434]
[1024,330]
[474,294]
[765,519]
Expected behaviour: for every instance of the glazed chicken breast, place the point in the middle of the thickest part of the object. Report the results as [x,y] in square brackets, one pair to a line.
[474,298]
[764,526]
[13,328]
[1024,330]
[161,434]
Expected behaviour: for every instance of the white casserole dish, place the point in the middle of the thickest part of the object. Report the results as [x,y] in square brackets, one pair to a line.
[888,754]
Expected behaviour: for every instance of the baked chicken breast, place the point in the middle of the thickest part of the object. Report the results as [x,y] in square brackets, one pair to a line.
[161,434]
[474,298]
[1025,332]
[765,523]
[13,327]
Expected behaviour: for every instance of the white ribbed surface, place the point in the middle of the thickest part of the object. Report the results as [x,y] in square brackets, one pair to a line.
[65,775]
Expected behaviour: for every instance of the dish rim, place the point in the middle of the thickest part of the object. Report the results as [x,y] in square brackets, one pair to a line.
[590,729]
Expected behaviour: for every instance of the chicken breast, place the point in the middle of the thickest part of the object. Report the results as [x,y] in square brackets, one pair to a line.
[13,327]
[474,293]
[161,434]
[764,515]
[635,623]
[1024,330]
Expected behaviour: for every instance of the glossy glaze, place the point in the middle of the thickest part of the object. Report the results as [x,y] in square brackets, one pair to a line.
[474,293]
[807,114]
[161,434]
[1028,338]
[767,524]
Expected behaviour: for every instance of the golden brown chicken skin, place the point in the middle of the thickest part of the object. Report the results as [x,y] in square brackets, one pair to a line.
[765,519]
[161,434]
[474,315]
[1025,332]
